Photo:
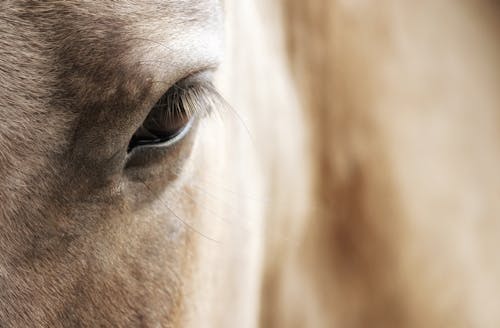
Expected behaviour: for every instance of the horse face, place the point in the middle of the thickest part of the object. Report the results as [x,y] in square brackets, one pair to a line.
[95,229]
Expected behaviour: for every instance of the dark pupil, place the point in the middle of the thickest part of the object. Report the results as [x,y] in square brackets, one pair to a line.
[165,121]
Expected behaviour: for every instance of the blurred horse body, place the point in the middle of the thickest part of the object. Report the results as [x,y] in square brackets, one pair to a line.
[403,104]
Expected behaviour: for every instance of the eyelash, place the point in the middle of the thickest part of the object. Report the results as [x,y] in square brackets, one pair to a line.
[195,99]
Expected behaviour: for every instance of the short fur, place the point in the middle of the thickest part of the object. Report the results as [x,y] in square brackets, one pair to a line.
[354,185]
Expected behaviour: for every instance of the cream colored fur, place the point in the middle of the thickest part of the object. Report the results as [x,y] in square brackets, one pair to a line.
[352,184]
[402,98]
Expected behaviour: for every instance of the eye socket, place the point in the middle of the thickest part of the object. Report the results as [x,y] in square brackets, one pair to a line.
[168,121]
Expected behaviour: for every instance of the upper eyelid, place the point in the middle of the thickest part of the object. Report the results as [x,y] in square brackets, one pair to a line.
[203,73]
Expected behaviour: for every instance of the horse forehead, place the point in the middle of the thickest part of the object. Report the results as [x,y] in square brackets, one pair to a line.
[100,18]
[103,43]
[164,9]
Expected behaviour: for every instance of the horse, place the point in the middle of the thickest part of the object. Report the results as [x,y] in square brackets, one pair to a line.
[248,163]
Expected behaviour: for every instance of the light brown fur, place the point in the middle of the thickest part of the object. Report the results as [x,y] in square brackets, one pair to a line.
[354,186]
[85,241]
[403,100]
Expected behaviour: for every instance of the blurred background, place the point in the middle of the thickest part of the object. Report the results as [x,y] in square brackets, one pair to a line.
[400,101]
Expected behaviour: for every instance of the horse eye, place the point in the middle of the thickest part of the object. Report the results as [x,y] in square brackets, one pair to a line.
[167,123]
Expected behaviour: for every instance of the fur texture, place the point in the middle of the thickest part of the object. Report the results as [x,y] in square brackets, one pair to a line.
[86,239]
[353,185]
